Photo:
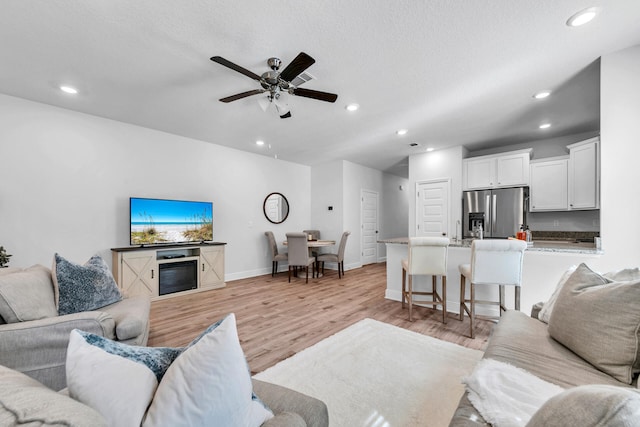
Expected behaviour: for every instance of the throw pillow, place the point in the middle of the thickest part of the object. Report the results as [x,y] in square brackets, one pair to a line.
[83,287]
[545,312]
[590,406]
[27,295]
[26,402]
[599,320]
[210,380]
[115,379]
[207,380]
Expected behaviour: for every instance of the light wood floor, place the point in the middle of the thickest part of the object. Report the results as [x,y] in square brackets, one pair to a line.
[277,319]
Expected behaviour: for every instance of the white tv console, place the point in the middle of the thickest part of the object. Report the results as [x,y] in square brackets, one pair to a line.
[136,269]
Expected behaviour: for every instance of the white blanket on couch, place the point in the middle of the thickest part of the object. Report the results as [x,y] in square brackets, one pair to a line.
[507,396]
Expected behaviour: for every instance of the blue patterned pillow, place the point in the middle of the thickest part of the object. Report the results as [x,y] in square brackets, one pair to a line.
[83,287]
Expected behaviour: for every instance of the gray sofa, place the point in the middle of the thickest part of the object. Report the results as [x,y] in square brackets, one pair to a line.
[524,342]
[25,401]
[39,347]
[33,355]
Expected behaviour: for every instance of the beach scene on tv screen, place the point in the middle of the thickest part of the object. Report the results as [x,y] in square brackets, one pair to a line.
[170,221]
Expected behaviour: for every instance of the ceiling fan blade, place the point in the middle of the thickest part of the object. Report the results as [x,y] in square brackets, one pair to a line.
[286,115]
[297,66]
[315,94]
[241,95]
[220,60]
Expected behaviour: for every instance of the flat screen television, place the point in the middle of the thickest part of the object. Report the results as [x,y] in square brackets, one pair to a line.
[160,221]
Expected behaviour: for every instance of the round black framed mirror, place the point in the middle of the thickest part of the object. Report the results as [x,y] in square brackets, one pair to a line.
[276,208]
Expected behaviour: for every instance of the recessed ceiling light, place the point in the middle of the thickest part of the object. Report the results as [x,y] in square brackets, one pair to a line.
[352,107]
[259,142]
[402,132]
[582,17]
[545,126]
[542,95]
[69,89]
[430,149]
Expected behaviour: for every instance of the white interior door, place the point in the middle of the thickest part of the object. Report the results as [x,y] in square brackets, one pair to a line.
[432,208]
[369,215]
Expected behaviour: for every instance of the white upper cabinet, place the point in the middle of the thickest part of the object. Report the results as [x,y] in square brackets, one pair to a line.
[584,174]
[549,184]
[502,170]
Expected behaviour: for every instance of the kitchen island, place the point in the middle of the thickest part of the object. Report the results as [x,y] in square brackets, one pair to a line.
[544,263]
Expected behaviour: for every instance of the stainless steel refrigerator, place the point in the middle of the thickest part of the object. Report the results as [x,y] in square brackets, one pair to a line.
[500,212]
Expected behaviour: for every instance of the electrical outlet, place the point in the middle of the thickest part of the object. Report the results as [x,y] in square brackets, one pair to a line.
[556,223]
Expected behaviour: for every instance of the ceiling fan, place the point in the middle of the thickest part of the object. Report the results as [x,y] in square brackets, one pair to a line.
[277,82]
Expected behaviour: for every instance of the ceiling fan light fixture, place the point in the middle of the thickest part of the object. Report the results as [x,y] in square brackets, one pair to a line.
[542,94]
[583,17]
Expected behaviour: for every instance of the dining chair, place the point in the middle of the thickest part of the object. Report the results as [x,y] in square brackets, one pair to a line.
[493,262]
[315,235]
[337,258]
[299,253]
[427,257]
[275,256]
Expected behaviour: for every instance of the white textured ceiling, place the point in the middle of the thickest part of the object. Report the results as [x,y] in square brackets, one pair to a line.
[451,72]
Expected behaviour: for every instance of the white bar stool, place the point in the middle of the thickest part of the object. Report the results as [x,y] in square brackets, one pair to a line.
[427,257]
[493,262]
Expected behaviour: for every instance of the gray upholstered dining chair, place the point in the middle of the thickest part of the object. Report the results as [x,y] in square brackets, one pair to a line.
[275,256]
[337,258]
[315,235]
[299,253]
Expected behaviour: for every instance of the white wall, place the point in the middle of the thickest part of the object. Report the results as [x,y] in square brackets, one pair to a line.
[620,132]
[339,184]
[394,207]
[358,178]
[67,178]
[441,164]
[326,190]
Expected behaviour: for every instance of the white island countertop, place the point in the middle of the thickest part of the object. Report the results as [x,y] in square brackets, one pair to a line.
[562,246]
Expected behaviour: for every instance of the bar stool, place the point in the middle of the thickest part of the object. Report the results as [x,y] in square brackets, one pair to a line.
[493,262]
[427,257]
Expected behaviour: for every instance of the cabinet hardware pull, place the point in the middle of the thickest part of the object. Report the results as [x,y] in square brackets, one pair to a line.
[152,274]
[203,266]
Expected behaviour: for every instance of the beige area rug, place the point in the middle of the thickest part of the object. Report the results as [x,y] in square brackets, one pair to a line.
[376,374]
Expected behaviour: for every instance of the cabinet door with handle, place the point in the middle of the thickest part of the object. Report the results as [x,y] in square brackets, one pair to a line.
[138,273]
[549,184]
[584,175]
[212,267]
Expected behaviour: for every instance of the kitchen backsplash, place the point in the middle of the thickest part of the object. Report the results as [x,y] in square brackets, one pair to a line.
[569,221]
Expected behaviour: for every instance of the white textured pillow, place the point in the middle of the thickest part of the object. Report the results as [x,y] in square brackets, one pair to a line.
[545,312]
[209,383]
[115,379]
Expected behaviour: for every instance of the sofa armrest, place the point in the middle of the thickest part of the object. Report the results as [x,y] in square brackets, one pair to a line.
[39,347]
[535,309]
[281,399]
[132,319]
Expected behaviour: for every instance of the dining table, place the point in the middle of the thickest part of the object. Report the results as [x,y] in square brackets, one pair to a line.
[318,243]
